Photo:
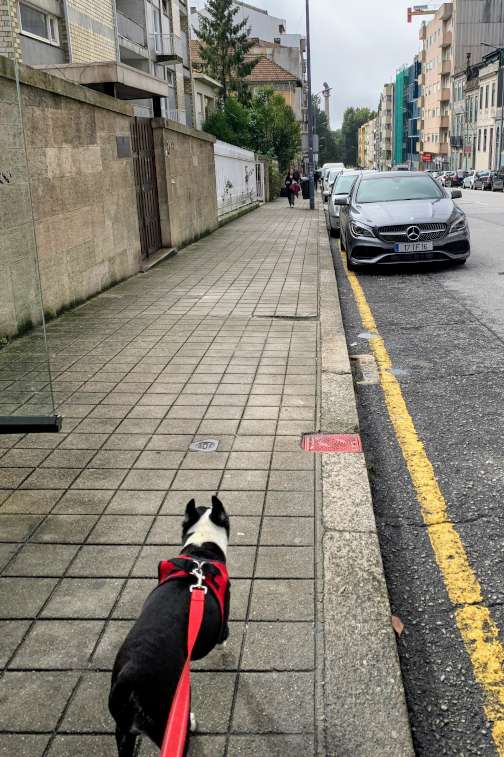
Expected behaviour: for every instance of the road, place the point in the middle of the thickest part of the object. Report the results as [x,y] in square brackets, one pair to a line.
[443,329]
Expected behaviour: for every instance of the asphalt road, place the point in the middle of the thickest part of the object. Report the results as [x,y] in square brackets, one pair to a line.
[444,330]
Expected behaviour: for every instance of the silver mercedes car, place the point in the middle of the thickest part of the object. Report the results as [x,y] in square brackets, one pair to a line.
[398,217]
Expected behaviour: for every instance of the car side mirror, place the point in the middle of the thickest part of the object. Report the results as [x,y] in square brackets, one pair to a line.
[456,194]
[341,200]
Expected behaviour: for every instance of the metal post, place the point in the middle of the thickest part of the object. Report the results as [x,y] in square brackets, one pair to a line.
[500,76]
[310,109]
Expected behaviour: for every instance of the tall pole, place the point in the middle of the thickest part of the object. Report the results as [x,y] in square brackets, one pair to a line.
[310,109]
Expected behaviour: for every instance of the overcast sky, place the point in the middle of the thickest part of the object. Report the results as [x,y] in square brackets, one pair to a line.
[357,45]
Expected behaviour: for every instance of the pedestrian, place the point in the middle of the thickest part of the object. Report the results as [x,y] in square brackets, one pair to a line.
[296,176]
[289,181]
[316,177]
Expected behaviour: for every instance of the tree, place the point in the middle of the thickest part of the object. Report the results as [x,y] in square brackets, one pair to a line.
[353,119]
[230,123]
[225,46]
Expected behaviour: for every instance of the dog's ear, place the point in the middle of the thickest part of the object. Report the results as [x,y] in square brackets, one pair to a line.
[191,514]
[218,514]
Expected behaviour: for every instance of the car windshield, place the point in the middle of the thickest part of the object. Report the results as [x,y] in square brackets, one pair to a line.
[343,184]
[398,188]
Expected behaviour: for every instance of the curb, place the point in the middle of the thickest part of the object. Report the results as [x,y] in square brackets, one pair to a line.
[364,707]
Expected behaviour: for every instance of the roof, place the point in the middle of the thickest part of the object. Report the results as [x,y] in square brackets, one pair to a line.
[267,71]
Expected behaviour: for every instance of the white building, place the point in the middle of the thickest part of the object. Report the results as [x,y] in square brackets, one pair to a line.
[262,25]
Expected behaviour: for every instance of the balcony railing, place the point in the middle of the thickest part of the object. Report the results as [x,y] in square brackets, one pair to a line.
[129,29]
[168,47]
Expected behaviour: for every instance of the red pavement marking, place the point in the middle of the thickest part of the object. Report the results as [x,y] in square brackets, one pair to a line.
[331,443]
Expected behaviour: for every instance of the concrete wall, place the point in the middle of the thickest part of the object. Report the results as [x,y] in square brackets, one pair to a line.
[235,177]
[186,182]
[83,208]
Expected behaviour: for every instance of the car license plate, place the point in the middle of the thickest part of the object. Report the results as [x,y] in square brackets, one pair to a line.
[413,246]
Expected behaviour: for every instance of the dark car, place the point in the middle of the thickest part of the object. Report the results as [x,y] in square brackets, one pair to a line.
[393,217]
[457,178]
[498,181]
[483,180]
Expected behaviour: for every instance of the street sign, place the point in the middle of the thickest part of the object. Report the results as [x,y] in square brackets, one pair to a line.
[468,149]
[427,157]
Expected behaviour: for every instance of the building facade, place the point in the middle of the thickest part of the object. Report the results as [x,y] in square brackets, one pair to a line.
[134,50]
[366,144]
[487,143]
[383,142]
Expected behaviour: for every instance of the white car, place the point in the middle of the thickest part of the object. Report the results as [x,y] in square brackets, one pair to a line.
[468,182]
[326,169]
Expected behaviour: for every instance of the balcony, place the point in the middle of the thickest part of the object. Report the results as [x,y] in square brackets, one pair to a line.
[446,67]
[445,95]
[447,39]
[168,48]
[446,11]
[132,36]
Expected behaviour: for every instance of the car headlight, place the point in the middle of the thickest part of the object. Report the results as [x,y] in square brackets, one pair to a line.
[360,230]
[458,225]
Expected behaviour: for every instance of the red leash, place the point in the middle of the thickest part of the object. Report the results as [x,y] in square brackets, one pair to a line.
[176,729]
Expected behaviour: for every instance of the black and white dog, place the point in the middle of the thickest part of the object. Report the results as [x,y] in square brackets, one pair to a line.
[149,663]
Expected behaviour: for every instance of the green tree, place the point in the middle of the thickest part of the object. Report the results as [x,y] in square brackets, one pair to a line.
[230,123]
[275,131]
[225,45]
[353,119]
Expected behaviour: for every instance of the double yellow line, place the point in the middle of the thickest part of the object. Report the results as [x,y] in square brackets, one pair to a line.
[474,621]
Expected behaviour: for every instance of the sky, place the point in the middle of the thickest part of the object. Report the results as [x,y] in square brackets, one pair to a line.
[357,45]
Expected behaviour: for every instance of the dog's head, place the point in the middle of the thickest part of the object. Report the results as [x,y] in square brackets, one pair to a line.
[206,525]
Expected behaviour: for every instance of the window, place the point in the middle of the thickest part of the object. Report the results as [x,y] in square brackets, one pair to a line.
[39,24]
[479,140]
[481,97]
[493,94]
[200,103]
[486,96]
[484,140]
[398,189]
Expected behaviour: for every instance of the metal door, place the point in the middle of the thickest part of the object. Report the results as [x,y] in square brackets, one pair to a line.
[260,182]
[144,166]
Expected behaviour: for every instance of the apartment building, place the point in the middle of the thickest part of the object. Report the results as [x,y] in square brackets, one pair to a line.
[366,144]
[135,50]
[383,141]
[488,132]
[361,146]
[406,114]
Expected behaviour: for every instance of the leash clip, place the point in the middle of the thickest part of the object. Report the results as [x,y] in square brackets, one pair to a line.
[197,572]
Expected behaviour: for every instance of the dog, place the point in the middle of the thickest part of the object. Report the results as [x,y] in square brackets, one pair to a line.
[149,663]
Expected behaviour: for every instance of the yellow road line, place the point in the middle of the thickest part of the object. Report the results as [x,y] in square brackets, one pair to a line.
[474,621]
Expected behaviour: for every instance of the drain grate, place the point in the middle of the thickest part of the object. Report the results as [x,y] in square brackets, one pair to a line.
[204,445]
[331,443]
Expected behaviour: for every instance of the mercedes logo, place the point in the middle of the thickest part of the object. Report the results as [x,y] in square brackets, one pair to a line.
[413,233]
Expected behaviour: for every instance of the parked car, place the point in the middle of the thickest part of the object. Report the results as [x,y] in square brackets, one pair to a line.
[468,182]
[446,179]
[483,180]
[329,181]
[326,168]
[498,181]
[395,217]
[457,178]
[342,187]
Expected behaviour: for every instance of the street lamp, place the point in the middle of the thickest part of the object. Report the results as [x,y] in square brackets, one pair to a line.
[501,83]
[310,109]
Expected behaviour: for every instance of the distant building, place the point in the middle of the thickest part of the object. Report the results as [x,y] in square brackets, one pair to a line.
[406,114]
[135,50]
[366,144]
[488,131]
[383,142]
[261,24]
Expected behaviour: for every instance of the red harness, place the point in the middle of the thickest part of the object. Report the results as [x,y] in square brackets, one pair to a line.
[209,574]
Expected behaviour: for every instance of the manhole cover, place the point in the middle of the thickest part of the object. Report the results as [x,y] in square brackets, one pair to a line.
[331,443]
[204,445]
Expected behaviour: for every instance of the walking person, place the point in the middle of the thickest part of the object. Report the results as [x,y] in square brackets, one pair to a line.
[289,181]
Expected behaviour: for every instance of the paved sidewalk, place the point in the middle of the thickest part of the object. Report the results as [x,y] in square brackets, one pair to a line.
[220,342]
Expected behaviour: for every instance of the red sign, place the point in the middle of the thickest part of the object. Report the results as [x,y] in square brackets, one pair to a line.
[331,443]
[427,157]
[410,15]
[468,149]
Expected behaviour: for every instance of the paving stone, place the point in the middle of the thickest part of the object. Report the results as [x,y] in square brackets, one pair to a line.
[290,503]
[170,442]
[82,745]
[72,529]
[100,478]
[112,638]
[68,458]
[249,460]
[6,553]
[197,479]
[115,459]
[295,481]
[42,560]
[285,562]
[227,658]
[126,441]
[83,502]
[10,478]
[121,529]
[299,460]
[211,699]
[279,646]
[257,428]
[52,644]
[205,460]
[22,745]
[34,701]
[16,527]
[138,426]
[178,427]
[126,502]
[244,480]
[83,441]
[217,427]
[11,635]
[23,458]
[278,745]
[253,443]
[287,531]
[83,598]
[88,710]
[51,478]
[103,561]
[160,459]
[282,599]
[132,598]
[241,561]
[274,702]
[154,480]
[23,597]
